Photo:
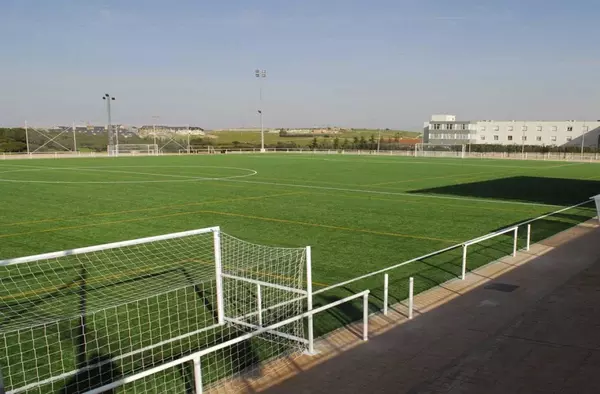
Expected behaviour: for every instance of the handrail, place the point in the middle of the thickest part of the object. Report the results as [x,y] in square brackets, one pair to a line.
[196,356]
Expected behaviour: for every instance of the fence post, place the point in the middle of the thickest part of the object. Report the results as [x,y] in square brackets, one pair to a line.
[366,317]
[464,262]
[385,294]
[309,300]
[528,235]
[259,302]
[197,375]
[411,291]
[219,277]
[515,242]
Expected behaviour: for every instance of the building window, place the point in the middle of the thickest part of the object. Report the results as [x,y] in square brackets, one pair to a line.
[449,127]
[510,128]
[539,128]
[569,139]
[496,138]
[569,128]
[496,128]
[553,138]
[437,126]
[524,128]
[482,128]
[538,138]
[483,137]
[465,126]
[524,138]
[510,137]
[554,128]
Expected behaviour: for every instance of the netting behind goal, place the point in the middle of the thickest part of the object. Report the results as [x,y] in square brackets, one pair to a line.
[137,149]
[79,320]
[440,150]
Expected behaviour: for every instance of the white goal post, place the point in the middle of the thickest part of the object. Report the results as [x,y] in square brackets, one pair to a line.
[81,319]
[440,150]
[137,149]
[597,200]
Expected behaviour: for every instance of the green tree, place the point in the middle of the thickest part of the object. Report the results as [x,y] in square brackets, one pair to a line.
[362,144]
[336,143]
[355,143]
[372,141]
[314,143]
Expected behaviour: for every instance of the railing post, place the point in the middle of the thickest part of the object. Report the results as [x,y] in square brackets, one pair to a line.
[259,302]
[197,375]
[385,294]
[515,241]
[464,262]
[528,235]
[219,277]
[309,300]
[411,291]
[366,317]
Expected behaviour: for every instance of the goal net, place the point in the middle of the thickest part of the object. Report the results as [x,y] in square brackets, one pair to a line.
[137,149]
[121,314]
[439,150]
[597,200]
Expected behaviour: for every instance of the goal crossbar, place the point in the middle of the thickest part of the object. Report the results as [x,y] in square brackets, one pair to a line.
[267,284]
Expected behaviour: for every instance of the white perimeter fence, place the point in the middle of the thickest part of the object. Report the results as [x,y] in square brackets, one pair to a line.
[549,156]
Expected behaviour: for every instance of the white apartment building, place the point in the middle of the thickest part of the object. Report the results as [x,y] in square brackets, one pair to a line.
[445,129]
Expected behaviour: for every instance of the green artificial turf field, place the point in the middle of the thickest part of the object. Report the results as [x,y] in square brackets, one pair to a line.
[359,213]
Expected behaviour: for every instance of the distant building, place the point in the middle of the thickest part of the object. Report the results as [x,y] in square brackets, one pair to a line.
[445,129]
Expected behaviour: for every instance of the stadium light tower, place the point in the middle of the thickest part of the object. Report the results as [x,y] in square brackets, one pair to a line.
[108,98]
[154,120]
[261,74]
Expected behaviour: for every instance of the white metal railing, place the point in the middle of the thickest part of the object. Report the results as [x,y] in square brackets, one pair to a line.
[408,152]
[196,357]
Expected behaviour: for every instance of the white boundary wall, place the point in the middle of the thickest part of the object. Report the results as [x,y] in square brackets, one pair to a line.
[409,152]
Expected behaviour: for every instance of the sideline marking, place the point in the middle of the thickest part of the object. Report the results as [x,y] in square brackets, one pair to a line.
[417,195]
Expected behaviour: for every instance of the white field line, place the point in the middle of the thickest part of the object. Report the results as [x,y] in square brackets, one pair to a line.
[403,161]
[418,195]
[490,201]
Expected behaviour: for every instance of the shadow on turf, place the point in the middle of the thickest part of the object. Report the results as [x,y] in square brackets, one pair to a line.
[552,191]
[101,371]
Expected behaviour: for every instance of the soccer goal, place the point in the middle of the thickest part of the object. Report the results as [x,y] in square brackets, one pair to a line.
[136,149]
[126,314]
[440,150]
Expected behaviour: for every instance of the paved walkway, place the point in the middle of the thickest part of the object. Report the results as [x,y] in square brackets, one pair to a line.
[533,329]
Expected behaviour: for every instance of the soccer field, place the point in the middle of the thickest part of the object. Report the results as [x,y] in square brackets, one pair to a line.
[359,213]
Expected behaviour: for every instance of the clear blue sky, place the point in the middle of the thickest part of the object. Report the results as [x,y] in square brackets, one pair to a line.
[378,63]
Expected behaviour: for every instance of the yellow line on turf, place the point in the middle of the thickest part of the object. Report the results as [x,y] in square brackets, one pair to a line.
[358,230]
[145,209]
[144,218]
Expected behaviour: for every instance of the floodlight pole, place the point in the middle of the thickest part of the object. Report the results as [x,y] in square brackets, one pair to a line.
[108,98]
[27,137]
[378,139]
[188,146]
[74,139]
[261,74]
[154,117]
